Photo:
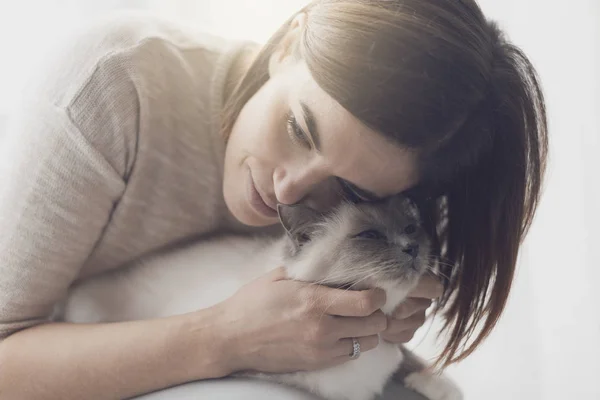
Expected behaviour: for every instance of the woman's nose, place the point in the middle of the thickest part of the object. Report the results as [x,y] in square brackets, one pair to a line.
[293,185]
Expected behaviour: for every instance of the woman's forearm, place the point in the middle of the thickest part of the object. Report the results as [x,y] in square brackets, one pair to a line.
[111,361]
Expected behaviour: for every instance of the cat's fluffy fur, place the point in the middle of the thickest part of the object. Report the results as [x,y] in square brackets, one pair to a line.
[360,245]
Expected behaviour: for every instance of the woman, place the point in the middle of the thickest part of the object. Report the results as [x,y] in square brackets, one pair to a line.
[139,136]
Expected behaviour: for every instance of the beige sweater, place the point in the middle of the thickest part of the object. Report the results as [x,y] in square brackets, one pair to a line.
[115,153]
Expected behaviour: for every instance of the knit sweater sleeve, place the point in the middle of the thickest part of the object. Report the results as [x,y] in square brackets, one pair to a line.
[63,168]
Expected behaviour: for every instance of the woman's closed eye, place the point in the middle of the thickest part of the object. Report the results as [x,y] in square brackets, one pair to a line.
[300,137]
[354,194]
[349,194]
[297,135]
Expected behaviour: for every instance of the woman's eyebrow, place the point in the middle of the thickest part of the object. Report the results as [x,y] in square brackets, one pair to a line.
[311,124]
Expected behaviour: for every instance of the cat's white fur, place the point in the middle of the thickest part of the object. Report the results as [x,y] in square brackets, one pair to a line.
[209,272]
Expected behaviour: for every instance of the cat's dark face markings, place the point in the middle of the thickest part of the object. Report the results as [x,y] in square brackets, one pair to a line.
[357,244]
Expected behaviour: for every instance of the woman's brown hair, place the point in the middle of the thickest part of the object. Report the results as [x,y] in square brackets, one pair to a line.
[438,77]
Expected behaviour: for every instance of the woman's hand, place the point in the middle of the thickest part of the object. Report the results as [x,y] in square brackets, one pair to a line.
[277,325]
[410,314]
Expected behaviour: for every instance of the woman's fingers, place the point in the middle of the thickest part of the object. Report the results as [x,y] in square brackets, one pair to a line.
[346,303]
[413,322]
[276,274]
[429,287]
[399,338]
[403,330]
[410,315]
[343,348]
[411,306]
[344,327]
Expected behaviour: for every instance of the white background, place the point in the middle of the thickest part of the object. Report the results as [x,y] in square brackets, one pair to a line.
[546,346]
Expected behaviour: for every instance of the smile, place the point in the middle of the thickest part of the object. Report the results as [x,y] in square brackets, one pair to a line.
[257,201]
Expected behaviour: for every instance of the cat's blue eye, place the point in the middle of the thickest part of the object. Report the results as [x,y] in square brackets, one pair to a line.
[410,229]
[371,234]
[297,135]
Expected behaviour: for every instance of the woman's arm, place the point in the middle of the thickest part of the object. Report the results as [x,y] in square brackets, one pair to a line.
[62,171]
[58,187]
[64,165]
[269,325]
[111,361]
[57,192]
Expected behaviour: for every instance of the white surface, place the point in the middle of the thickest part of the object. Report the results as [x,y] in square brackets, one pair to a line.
[252,389]
[229,390]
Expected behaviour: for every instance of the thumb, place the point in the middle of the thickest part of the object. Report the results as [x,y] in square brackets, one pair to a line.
[277,274]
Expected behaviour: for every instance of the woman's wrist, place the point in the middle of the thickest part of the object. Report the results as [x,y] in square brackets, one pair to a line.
[205,344]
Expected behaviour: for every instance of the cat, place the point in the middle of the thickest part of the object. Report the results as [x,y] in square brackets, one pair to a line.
[354,246]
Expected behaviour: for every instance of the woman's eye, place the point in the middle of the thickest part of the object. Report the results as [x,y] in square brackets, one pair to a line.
[351,196]
[371,234]
[349,193]
[296,133]
[410,229]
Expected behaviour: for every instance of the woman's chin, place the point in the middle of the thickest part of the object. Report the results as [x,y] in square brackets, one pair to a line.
[238,202]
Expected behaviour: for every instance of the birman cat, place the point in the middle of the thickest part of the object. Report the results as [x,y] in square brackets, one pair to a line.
[354,246]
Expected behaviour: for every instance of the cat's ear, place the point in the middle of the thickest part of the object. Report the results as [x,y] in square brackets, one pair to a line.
[406,203]
[299,221]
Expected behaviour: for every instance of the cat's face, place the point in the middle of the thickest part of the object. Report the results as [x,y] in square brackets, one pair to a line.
[357,245]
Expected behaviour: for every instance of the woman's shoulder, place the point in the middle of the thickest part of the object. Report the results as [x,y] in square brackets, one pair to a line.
[121,42]
[101,76]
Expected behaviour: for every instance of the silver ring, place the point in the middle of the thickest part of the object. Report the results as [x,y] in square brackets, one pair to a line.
[355,349]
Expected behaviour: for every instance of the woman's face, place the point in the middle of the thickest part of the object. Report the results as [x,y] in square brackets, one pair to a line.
[292,142]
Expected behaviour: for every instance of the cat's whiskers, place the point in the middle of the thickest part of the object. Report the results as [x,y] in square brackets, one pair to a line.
[330,279]
[438,261]
[437,272]
[372,273]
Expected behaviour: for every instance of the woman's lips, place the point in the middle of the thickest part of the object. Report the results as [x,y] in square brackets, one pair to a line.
[256,200]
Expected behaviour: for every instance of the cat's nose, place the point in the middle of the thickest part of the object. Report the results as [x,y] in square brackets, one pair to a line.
[412,250]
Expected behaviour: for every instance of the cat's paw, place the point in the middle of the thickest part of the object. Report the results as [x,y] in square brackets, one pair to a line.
[434,387]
